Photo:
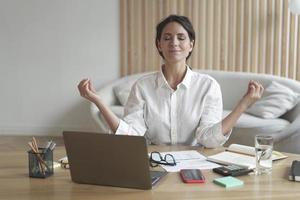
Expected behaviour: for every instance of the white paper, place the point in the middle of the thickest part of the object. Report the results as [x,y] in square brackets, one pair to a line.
[188,160]
[190,164]
[184,155]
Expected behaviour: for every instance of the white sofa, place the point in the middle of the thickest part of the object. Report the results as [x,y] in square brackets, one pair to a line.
[233,86]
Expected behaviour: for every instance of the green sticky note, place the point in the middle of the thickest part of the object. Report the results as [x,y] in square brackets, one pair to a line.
[228,182]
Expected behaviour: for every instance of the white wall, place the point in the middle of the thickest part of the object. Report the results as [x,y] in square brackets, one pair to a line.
[46,47]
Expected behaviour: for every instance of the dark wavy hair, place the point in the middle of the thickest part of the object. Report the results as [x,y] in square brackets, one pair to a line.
[183,21]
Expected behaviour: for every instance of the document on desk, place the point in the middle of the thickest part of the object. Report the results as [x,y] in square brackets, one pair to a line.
[229,158]
[188,160]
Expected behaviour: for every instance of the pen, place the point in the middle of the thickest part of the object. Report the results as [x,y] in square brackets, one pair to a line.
[50,146]
[47,147]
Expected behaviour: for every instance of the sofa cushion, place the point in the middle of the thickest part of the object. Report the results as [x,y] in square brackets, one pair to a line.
[122,90]
[122,93]
[118,110]
[277,100]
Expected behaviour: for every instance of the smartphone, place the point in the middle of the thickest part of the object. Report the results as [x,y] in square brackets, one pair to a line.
[192,176]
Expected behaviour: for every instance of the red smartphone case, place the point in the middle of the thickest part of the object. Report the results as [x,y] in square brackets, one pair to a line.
[192,176]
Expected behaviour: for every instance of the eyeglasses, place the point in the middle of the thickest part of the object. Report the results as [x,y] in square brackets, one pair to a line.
[156,158]
[64,163]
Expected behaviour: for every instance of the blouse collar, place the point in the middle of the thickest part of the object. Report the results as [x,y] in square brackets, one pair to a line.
[161,80]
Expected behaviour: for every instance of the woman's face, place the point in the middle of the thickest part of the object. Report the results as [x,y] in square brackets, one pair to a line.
[175,43]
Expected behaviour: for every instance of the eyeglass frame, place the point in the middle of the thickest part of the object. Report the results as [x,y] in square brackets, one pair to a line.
[163,160]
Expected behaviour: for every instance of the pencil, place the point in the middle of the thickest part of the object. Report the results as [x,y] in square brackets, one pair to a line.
[36,150]
[34,142]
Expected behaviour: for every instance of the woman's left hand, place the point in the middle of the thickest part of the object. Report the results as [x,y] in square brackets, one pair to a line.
[254,93]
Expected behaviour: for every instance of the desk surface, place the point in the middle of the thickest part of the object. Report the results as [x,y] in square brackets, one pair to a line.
[15,183]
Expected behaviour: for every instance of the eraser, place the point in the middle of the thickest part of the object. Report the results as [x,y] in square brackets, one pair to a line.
[228,182]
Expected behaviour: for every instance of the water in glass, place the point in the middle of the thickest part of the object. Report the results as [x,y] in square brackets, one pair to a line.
[263,154]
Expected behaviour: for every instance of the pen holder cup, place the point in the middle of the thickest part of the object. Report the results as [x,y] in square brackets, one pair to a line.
[41,163]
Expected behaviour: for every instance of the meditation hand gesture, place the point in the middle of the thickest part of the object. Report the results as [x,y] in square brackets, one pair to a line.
[254,93]
[87,90]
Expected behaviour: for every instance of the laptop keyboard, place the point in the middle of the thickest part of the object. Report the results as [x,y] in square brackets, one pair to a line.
[156,176]
[154,179]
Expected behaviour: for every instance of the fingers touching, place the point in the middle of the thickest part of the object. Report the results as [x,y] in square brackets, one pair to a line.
[255,89]
[85,88]
[91,87]
[81,87]
[254,93]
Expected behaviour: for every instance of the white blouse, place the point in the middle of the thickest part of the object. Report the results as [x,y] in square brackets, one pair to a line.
[189,115]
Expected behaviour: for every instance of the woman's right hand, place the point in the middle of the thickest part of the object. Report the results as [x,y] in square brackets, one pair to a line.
[87,90]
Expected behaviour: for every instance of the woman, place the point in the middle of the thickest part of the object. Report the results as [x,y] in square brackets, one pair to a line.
[175,105]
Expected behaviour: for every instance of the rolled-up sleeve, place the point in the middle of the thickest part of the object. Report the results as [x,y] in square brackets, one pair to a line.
[209,132]
[133,122]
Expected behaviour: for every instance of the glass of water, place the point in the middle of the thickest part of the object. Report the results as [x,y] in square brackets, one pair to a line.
[263,154]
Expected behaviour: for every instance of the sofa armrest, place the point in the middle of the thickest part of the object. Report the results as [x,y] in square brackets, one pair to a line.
[98,118]
[107,94]
[293,114]
[287,132]
[289,144]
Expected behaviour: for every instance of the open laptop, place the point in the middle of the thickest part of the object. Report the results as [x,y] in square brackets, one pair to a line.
[112,160]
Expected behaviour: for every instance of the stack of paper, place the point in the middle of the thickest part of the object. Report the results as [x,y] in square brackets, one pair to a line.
[188,160]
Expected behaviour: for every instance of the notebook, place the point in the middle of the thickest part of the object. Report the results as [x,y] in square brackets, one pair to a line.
[241,155]
[248,150]
[110,160]
[294,174]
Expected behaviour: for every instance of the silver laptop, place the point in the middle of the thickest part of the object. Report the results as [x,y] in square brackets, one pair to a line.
[111,160]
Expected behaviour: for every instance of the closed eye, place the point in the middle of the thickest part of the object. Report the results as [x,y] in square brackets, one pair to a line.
[181,36]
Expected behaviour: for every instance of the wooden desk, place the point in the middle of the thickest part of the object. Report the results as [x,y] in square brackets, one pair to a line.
[15,183]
